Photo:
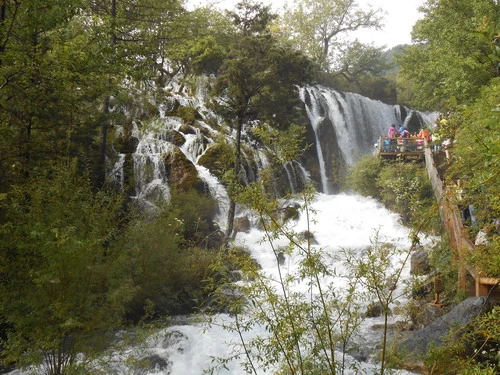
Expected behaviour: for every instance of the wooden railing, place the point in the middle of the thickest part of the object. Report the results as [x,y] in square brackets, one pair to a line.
[459,239]
[400,145]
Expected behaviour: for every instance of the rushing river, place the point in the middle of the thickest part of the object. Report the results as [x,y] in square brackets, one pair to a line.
[341,222]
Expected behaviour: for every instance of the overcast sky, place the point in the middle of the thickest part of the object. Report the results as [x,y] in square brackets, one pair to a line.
[399,17]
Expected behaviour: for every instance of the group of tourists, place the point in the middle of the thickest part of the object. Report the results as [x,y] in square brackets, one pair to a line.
[398,139]
[402,132]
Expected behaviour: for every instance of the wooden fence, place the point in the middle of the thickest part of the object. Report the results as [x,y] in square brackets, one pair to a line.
[459,239]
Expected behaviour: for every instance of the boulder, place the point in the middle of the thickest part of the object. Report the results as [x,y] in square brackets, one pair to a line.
[434,334]
[419,263]
[152,363]
[291,212]
[242,224]
[374,310]
[181,173]
[175,137]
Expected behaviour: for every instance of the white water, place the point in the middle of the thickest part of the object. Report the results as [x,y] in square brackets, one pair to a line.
[342,221]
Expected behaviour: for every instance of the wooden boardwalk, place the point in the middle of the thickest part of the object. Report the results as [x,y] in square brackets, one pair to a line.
[398,148]
[470,279]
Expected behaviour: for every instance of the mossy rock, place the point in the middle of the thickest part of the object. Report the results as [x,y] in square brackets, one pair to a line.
[217,159]
[291,212]
[188,114]
[181,173]
[126,145]
[172,106]
[187,129]
[175,137]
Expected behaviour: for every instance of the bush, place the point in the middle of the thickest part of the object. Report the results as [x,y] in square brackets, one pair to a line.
[362,178]
[166,268]
[402,187]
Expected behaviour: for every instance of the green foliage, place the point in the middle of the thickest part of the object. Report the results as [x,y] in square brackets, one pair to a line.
[363,176]
[196,212]
[475,165]
[402,187]
[166,270]
[188,114]
[452,57]
[362,69]
[476,153]
[405,188]
[61,283]
[443,262]
[201,41]
[318,28]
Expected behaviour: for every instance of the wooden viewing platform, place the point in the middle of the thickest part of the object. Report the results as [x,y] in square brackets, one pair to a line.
[407,148]
[470,279]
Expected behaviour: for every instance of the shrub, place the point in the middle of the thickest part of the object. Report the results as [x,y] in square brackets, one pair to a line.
[405,189]
[362,178]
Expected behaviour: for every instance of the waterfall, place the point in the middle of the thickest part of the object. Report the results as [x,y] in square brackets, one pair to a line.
[347,125]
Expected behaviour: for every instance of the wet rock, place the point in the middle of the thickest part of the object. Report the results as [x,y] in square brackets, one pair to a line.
[152,363]
[187,129]
[419,263]
[434,334]
[242,224]
[181,173]
[175,137]
[310,237]
[281,258]
[374,310]
[291,212]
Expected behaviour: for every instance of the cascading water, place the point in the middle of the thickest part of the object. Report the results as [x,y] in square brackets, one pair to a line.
[344,124]
[342,222]
[347,125]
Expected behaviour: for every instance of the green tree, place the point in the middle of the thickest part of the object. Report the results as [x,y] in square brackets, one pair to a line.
[476,164]
[159,253]
[60,282]
[455,52]
[361,68]
[40,100]
[258,80]
[317,28]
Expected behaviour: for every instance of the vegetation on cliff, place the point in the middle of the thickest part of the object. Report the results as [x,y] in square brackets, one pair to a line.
[79,258]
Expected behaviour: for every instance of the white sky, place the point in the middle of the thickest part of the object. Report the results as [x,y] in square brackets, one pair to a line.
[399,17]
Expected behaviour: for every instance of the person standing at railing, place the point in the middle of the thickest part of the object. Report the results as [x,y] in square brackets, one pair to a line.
[424,134]
[392,134]
[404,134]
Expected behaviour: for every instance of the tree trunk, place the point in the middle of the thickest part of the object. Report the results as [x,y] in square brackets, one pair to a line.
[236,181]
[103,146]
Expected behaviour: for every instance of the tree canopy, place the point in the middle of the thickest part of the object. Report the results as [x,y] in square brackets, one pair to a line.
[456,51]
[319,28]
